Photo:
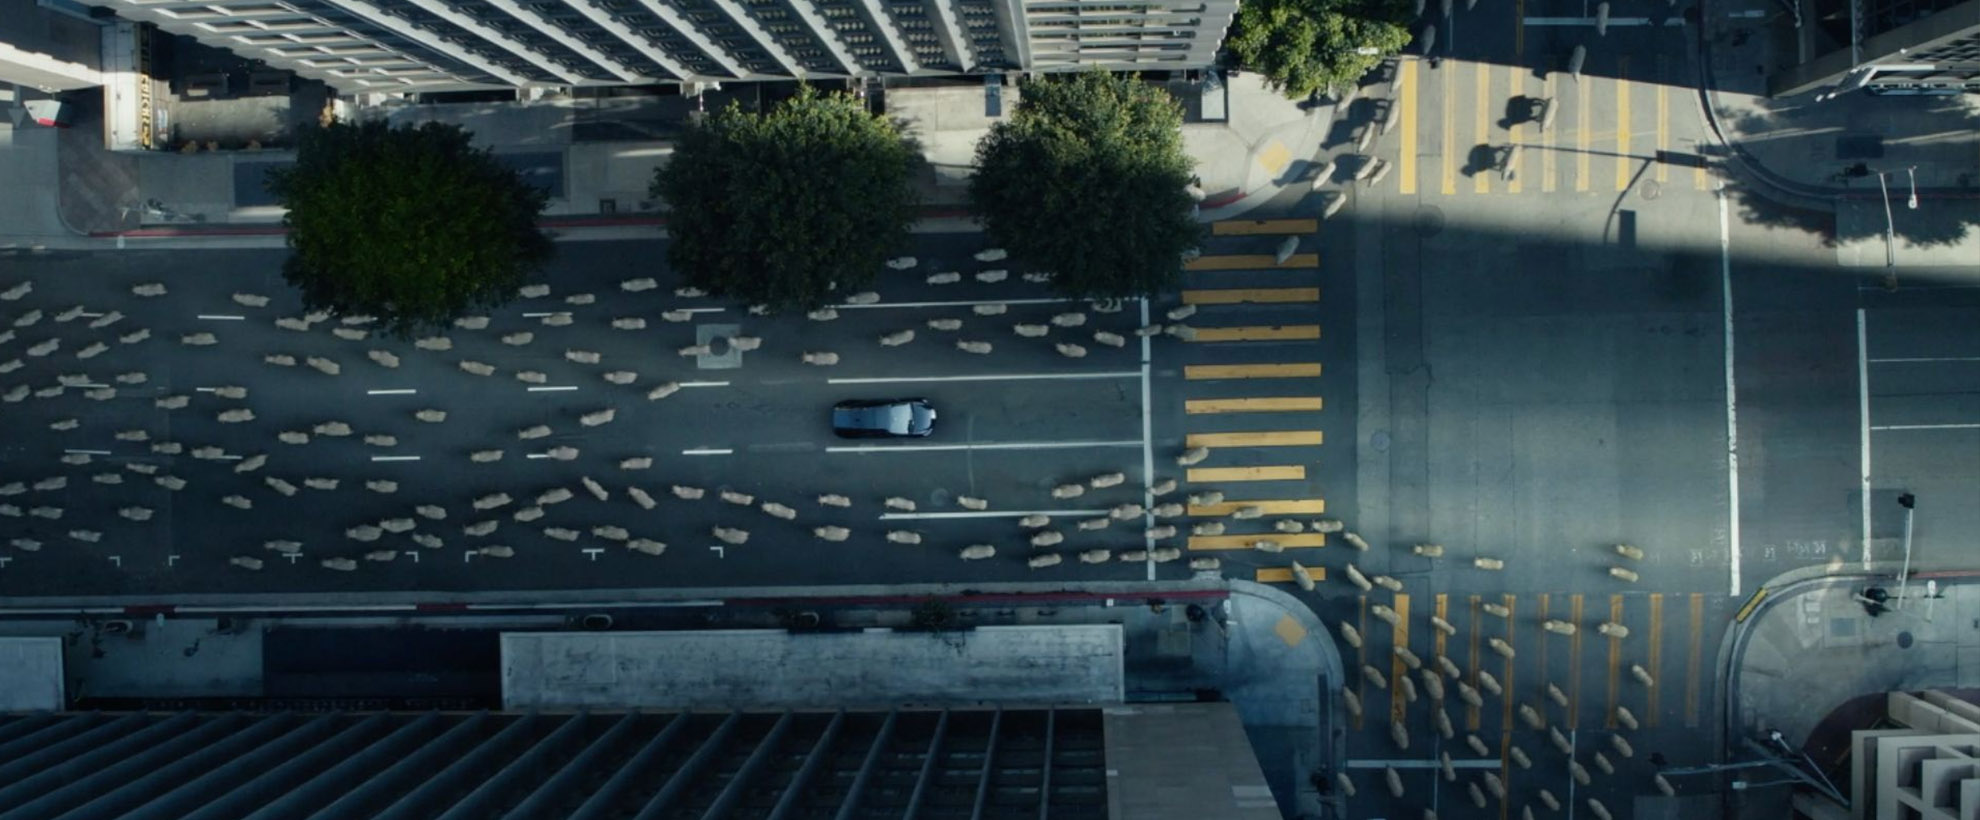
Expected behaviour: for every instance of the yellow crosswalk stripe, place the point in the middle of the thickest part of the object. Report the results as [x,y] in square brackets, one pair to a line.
[1263,227]
[1205,543]
[1615,663]
[1654,664]
[1235,296]
[1198,372]
[1515,89]
[1481,182]
[1511,603]
[1450,129]
[1406,97]
[1581,133]
[1663,129]
[1281,472]
[1549,171]
[1692,659]
[1574,662]
[1398,704]
[1258,333]
[1277,438]
[1284,575]
[1253,261]
[1312,506]
[1268,404]
[1624,162]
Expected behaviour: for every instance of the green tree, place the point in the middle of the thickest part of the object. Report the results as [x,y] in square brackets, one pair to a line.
[1308,46]
[1088,180]
[412,225]
[781,208]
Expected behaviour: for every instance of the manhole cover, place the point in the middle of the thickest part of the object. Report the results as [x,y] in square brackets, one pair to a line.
[1652,190]
[1904,640]
[1429,220]
[1379,441]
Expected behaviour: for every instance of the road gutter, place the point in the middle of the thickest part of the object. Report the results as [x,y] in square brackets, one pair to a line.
[1732,412]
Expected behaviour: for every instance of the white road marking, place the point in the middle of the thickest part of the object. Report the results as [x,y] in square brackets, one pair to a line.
[702,310]
[1916,359]
[1456,763]
[396,391]
[204,389]
[1863,419]
[708,451]
[1732,413]
[89,315]
[539,314]
[704,384]
[221,318]
[395,458]
[1147,444]
[1097,374]
[89,452]
[553,389]
[594,552]
[936,516]
[1883,427]
[962,303]
[1590,21]
[994,445]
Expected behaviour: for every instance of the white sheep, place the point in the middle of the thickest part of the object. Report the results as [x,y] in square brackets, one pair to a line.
[1627,551]
[677,316]
[894,502]
[641,497]
[430,415]
[1177,314]
[1162,487]
[1248,512]
[831,533]
[1182,332]
[1050,559]
[1193,456]
[740,499]
[636,463]
[167,448]
[621,377]
[318,483]
[1096,556]
[1031,331]
[647,546]
[687,493]
[561,318]
[1169,510]
[822,315]
[142,513]
[1160,531]
[944,278]
[239,502]
[50,513]
[1047,538]
[1623,574]
[381,556]
[518,338]
[339,564]
[979,348]
[598,417]
[532,377]
[533,432]
[1105,480]
[607,532]
[776,510]
[1488,563]
[1355,540]
[1069,491]
[993,276]
[382,485]
[108,478]
[149,289]
[1123,512]
[438,344]
[472,323]
[349,334]
[477,368]
[821,358]
[201,339]
[992,255]
[902,262]
[583,356]
[496,551]
[482,528]
[364,533]
[524,515]
[1288,525]
[554,495]
[485,456]
[1092,524]
[92,350]
[638,285]
[492,501]
[663,390]
[432,512]
[535,291]
[1109,339]
[1205,564]
[1071,319]
[324,366]
[384,358]
[992,309]
[897,338]
[972,503]
[834,500]
[692,351]
[15,293]
[731,535]
[1034,521]
[135,336]
[977,552]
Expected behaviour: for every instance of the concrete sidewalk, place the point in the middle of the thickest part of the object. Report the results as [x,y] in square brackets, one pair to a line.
[598,160]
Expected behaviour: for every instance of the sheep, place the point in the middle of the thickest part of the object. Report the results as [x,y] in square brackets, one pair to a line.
[1162,487]
[596,489]
[1047,538]
[1192,456]
[1035,521]
[687,493]
[1438,623]
[583,356]
[1627,551]
[525,515]
[430,415]
[902,262]
[323,365]
[894,502]
[1288,525]
[108,478]
[141,513]
[972,503]
[731,535]
[663,390]
[533,432]
[607,532]
[50,513]
[364,532]
[834,500]
[431,512]
[1146,331]
[1096,556]
[831,533]
[339,564]
[621,377]
[492,501]
[1355,576]
[1504,649]
[477,368]
[1181,332]
[1641,675]
[167,448]
[1374,676]
[598,417]
[1177,314]
[977,552]
[903,537]
[92,350]
[51,484]
[13,488]
[944,278]
[1092,524]
[1627,718]
[739,499]
[1105,480]
[636,463]
[1387,583]
[142,469]
[101,394]
[518,338]
[777,510]
[201,339]
[536,291]
[496,551]
[437,344]
[15,293]
[381,485]
[688,292]
[1050,559]
[381,556]
[1496,610]
[481,528]
[638,285]
[1206,564]
[1169,510]
[1123,512]
[1267,545]
[1109,339]
[993,276]
[978,348]
[1164,555]
[1069,350]
[239,502]
[1247,513]
[1428,550]
[1206,498]
[1623,574]
[1488,563]
[349,334]
[28,319]
[1611,629]
[383,358]
[532,377]
[677,316]
[51,345]
[992,309]
[992,255]
[1355,541]
[647,546]
[1207,528]
[1071,319]
[106,320]
[897,338]
[428,540]
[148,290]
[1160,532]
[641,497]
[321,483]
[693,351]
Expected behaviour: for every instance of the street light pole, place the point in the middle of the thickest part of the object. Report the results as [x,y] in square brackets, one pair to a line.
[1890,236]
[1908,501]
[1912,174]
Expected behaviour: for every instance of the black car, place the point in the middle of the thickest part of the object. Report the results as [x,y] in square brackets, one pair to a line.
[883,418]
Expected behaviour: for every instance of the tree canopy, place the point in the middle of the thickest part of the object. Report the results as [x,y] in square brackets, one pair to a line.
[412,225]
[1308,46]
[1088,180]
[783,207]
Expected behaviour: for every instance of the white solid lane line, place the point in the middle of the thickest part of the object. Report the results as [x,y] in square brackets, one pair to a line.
[89,452]
[553,389]
[1732,391]
[1921,359]
[1147,442]
[990,445]
[704,384]
[396,391]
[708,451]
[395,458]
[1883,427]
[1863,418]
[219,318]
[1097,374]
[935,516]
[1423,763]
[960,303]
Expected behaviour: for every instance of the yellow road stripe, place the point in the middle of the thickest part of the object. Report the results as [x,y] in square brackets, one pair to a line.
[1623,160]
[1539,616]
[1233,296]
[1397,669]
[1515,87]
[1300,370]
[1449,154]
[1263,227]
[1481,121]
[1276,438]
[1273,404]
[1549,172]
[1519,31]
[1472,713]
[1615,663]
[1511,603]
[1284,575]
[1252,261]
[1314,506]
[1691,665]
[1655,663]
[1243,542]
[1438,638]
[1663,129]
[1258,333]
[1406,97]
[1282,472]
[1574,661]
[1699,182]
[1581,133]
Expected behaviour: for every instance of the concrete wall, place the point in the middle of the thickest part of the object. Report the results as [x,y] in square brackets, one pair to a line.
[47,50]
[31,675]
